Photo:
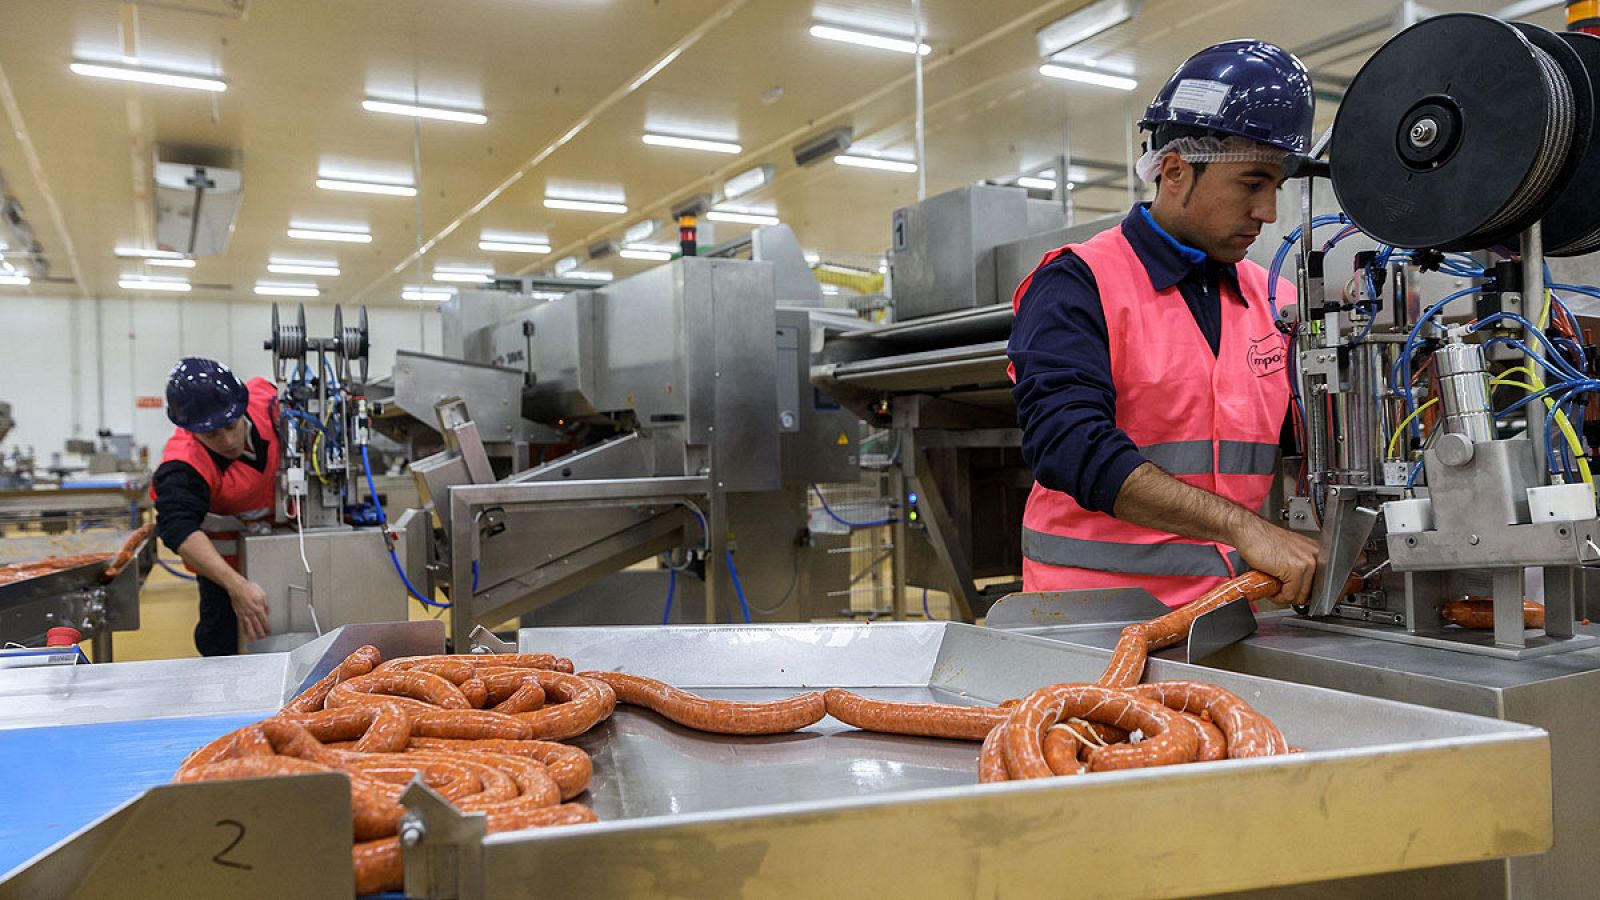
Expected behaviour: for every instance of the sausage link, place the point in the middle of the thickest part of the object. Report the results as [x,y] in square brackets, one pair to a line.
[1128,659]
[1213,743]
[966,723]
[534,788]
[360,662]
[378,866]
[248,767]
[476,692]
[506,660]
[1248,732]
[544,817]
[568,765]
[1478,612]
[125,554]
[375,727]
[1061,751]
[714,716]
[405,684]
[578,705]
[449,668]
[992,759]
[1168,740]
[512,690]
[471,724]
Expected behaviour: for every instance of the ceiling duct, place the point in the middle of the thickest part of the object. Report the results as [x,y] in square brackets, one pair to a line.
[197,199]
[829,144]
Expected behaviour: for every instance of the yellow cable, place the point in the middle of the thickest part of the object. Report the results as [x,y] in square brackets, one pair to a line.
[316,458]
[1567,430]
[1394,440]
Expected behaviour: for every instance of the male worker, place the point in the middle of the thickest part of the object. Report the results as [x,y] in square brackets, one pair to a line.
[223,459]
[1151,381]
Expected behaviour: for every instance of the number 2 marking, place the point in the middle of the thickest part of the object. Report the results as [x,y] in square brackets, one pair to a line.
[237,837]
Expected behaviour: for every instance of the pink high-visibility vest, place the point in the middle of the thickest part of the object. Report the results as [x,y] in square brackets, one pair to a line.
[1210,421]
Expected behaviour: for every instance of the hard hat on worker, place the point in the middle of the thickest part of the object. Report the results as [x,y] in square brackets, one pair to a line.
[204,395]
[1233,101]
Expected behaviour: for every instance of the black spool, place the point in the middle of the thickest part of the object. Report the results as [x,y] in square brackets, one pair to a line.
[1572,226]
[1460,132]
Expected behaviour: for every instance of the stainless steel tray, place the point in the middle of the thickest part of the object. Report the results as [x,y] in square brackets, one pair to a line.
[1382,787]
[832,811]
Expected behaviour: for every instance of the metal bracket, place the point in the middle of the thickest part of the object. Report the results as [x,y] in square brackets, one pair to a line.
[1218,628]
[442,849]
[1344,533]
[486,641]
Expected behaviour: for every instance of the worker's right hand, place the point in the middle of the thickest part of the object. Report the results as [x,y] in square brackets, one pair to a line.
[250,605]
[1285,555]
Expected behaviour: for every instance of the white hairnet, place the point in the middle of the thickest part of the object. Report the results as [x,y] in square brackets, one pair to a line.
[1207,149]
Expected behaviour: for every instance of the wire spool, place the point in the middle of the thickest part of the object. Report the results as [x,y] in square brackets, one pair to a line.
[286,341]
[1572,226]
[354,343]
[1460,132]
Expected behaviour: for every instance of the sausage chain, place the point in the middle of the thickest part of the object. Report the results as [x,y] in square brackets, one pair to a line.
[485,731]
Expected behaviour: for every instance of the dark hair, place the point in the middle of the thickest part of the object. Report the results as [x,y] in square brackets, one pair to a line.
[1166,134]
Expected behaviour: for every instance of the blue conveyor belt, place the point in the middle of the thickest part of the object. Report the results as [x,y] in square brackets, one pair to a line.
[54,781]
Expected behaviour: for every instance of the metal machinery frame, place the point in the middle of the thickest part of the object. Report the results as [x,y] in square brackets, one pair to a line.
[937,378]
[679,409]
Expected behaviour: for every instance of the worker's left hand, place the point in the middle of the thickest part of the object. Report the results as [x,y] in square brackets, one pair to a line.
[250,605]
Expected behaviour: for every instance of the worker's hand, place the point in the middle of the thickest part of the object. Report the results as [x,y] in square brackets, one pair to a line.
[1285,555]
[250,605]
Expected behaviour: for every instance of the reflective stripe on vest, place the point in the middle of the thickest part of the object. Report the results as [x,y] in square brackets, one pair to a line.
[1210,419]
[1198,560]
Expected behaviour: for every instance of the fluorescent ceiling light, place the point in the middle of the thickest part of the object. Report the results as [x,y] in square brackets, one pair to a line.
[148,76]
[584,205]
[153,284]
[325,234]
[170,263]
[1085,76]
[812,257]
[546,295]
[873,162]
[302,268]
[1082,24]
[266,289]
[1039,183]
[513,247]
[566,264]
[138,253]
[433,292]
[464,276]
[590,276]
[366,187]
[15,280]
[743,218]
[639,232]
[861,38]
[643,253]
[747,181]
[685,143]
[424,112]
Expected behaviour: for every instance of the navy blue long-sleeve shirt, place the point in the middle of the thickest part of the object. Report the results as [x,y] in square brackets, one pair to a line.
[1066,401]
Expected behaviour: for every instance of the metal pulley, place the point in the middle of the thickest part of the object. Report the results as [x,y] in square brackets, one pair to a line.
[1460,132]
[287,342]
[354,344]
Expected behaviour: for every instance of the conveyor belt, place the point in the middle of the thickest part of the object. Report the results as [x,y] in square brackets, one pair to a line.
[56,780]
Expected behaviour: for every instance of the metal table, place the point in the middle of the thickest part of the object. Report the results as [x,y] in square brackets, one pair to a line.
[837,812]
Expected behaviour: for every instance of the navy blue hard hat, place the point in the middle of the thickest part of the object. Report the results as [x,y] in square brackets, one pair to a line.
[1248,88]
[204,395]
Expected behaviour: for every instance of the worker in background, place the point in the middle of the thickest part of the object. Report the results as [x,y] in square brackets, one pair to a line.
[1151,380]
[222,461]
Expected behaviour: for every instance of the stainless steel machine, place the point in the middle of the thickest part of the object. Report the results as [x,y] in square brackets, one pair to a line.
[1446,430]
[668,414]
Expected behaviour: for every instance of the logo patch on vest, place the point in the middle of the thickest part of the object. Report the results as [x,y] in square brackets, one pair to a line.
[1267,356]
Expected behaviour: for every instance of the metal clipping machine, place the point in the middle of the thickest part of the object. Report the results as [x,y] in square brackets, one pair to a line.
[1476,785]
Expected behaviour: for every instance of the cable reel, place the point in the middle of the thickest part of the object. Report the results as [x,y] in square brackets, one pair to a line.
[1461,132]
[1572,226]
[287,342]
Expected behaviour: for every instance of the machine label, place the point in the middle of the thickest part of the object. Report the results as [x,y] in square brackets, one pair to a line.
[1266,356]
[144,402]
[1199,95]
